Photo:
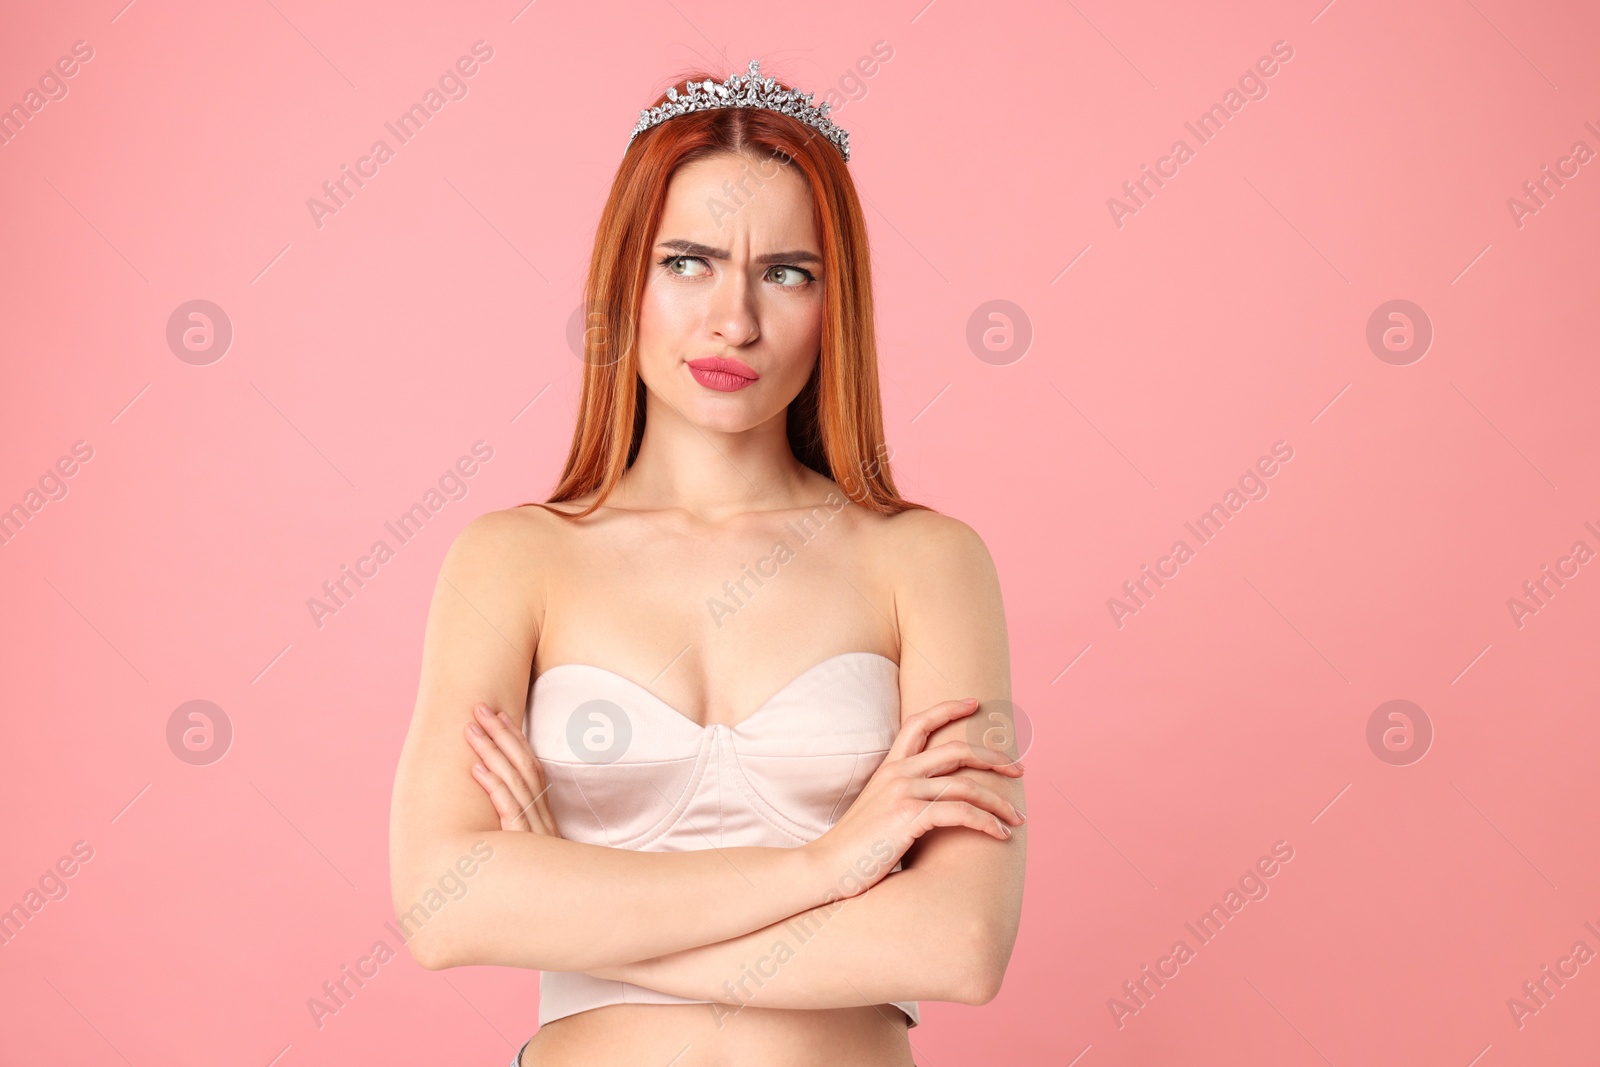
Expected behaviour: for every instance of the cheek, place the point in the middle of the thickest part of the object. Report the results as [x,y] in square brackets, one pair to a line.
[803,332]
[653,313]
[804,325]
[663,319]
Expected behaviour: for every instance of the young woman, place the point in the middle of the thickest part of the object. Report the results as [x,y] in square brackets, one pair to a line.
[690,736]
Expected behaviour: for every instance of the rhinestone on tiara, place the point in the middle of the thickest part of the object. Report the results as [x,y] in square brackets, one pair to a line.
[745,90]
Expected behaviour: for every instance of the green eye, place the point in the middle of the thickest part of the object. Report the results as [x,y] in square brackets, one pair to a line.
[672,261]
[802,275]
[797,277]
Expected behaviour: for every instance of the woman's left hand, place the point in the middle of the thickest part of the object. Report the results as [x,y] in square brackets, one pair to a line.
[509,772]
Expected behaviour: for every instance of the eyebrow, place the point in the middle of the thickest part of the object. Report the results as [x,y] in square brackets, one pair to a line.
[690,248]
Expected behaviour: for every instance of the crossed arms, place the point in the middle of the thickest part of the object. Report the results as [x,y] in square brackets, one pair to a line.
[696,924]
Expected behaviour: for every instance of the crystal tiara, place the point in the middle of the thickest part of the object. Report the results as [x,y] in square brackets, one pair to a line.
[744,90]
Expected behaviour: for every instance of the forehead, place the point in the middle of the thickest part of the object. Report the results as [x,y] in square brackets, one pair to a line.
[732,200]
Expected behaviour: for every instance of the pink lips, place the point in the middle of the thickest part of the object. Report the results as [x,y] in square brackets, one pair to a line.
[723,375]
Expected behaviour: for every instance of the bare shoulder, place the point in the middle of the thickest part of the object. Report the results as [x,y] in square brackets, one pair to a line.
[928,546]
[499,561]
[944,589]
[497,540]
[949,618]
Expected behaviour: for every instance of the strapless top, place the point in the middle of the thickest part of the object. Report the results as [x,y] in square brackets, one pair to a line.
[628,770]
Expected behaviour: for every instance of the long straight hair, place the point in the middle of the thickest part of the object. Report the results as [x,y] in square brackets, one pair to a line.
[835,423]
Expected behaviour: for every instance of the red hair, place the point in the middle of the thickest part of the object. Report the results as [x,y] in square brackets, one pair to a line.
[835,423]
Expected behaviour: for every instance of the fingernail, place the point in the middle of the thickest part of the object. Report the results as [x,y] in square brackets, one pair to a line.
[1006,830]
[477,729]
[485,712]
[480,768]
[970,701]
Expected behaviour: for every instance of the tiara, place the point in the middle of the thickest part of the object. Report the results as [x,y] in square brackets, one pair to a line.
[744,90]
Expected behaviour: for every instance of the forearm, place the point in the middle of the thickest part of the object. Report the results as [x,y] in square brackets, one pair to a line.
[897,941]
[550,904]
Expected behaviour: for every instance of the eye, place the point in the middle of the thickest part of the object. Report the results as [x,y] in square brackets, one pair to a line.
[788,277]
[800,277]
[672,261]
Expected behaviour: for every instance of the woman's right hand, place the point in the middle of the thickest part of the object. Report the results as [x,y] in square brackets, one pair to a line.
[912,791]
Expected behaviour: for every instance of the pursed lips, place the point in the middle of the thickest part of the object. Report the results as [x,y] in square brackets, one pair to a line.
[724,366]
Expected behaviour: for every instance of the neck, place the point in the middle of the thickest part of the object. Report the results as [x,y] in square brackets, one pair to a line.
[713,474]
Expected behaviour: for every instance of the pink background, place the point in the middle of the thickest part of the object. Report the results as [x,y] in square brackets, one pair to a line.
[1167,355]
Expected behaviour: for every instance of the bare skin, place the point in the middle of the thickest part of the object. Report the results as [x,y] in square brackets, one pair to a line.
[627,589]
[656,568]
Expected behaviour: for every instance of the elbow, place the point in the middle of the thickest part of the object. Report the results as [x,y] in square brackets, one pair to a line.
[432,950]
[440,944]
[427,947]
[429,924]
[981,986]
[432,913]
[982,967]
[427,954]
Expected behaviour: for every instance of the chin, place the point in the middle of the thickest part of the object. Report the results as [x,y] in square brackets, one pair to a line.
[724,411]
[724,421]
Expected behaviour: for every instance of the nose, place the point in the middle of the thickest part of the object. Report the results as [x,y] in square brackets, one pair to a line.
[733,315]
